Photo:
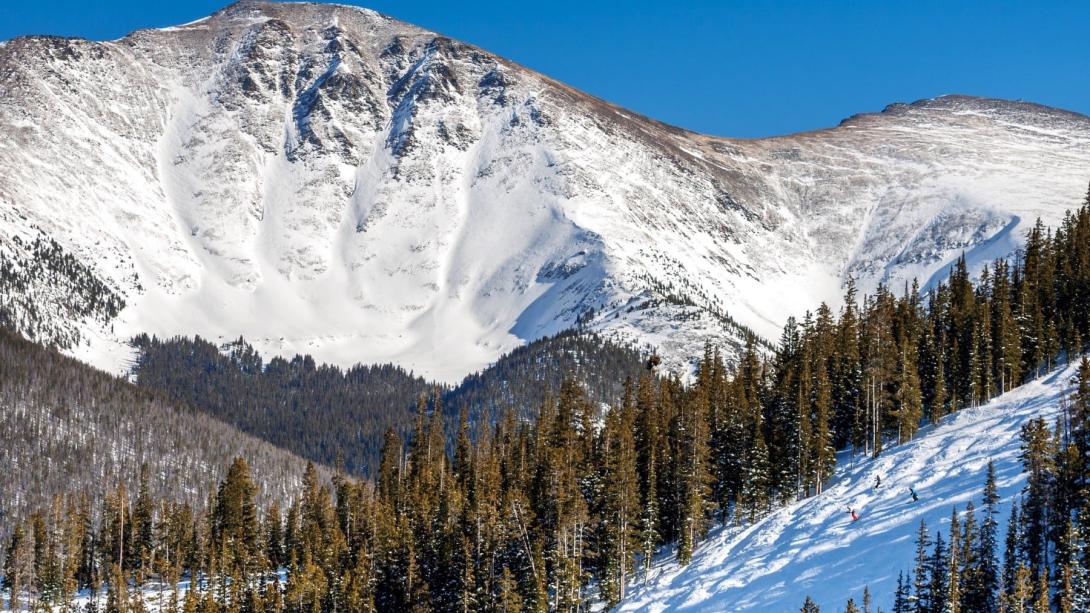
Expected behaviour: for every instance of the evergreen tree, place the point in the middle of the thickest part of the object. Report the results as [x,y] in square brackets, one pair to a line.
[921,585]
[694,478]
[968,552]
[1037,457]
[621,503]
[822,450]
[902,601]
[939,575]
[647,442]
[984,598]
[953,600]
[1011,558]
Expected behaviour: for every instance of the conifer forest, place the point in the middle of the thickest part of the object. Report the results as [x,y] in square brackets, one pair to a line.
[561,499]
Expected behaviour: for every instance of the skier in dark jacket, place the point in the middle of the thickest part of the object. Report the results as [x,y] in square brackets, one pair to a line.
[877,481]
[915,498]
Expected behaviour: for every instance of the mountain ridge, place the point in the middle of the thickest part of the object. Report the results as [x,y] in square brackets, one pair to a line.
[328,180]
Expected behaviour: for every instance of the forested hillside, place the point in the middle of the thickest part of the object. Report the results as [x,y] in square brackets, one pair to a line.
[66,427]
[331,415]
[317,411]
[44,290]
[524,377]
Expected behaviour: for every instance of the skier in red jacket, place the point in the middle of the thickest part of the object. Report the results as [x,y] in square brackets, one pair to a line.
[852,512]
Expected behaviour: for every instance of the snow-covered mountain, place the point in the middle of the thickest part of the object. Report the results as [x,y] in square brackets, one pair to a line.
[814,548]
[325,179]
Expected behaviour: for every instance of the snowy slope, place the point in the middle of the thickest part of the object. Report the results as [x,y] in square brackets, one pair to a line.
[813,548]
[325,179]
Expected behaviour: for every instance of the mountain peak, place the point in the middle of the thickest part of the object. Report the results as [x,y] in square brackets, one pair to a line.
[321,179]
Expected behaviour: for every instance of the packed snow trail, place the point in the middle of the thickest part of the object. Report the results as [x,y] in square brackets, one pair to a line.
[814,548]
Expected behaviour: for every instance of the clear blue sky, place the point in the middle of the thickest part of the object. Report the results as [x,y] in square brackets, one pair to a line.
[742,68]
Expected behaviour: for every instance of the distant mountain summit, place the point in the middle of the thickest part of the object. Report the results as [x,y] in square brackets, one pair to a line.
[327,180]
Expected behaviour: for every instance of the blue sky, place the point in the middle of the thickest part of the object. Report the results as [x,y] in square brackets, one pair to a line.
[743,68]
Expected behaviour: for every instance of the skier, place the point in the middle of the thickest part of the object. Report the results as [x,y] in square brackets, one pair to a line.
[915,498]
[855,516]
[877,481]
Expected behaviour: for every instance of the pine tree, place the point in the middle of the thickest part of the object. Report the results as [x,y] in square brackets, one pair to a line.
[921,585]
[142,525]
[117,593]
[968,549]
[1021,591]
[809,606]
[939,579]
[902,601]
[822,451]
[1079,562]
[1007,354]
[848,381]
[1072,588]
[621,504]
[274,537]
[1011,558]
[235,527]
[953,599]
[1079,408]
[986,585]
[694,478]
[754,497]
[1041,602]
[1037,457]
[18,566]
[908,405]
[647,441]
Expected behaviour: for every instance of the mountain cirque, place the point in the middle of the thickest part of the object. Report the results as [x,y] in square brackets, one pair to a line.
[328,180]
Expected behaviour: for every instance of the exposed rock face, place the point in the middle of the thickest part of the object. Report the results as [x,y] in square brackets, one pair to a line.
[325,179]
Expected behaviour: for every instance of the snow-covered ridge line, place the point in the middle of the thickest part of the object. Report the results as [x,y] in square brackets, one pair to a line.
[813,548]
[327,180]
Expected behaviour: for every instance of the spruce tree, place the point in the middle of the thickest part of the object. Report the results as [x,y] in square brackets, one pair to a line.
[939,575]
[694,478]
[1037,457]
[969,550]
[621,504]
[921,585]
[902,598]
[986,585]
[1011,549]
[953,596]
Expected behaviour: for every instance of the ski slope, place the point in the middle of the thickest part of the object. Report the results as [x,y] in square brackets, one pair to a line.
[813,548]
